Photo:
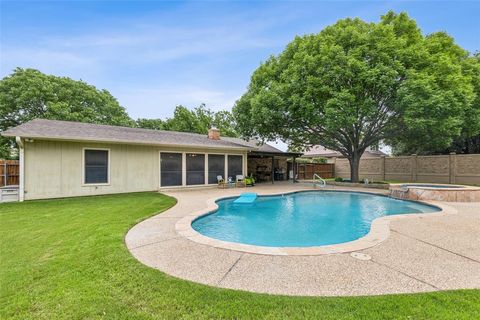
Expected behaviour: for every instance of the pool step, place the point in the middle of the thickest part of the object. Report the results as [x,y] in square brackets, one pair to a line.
[246,197]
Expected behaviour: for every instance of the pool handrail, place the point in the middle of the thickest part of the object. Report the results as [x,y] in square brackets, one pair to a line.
[324,183]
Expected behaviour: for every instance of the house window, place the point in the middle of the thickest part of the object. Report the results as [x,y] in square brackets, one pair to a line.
[96,166]
[170,169]
[235,166]
[216,167]
[195,163]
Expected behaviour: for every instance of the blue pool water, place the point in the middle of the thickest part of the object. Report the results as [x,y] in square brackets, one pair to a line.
[302,219]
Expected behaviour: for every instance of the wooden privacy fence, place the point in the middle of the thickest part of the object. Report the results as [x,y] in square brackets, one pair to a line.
[449,168]
[9,172]
[307,170]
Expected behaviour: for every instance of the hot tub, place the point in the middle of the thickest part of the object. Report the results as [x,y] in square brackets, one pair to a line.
[431,191]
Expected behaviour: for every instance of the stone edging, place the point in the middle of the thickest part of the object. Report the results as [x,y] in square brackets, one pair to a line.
[379,231]
[381,186]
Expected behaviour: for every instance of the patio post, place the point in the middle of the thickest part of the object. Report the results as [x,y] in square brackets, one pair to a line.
[294,166]
[273,168]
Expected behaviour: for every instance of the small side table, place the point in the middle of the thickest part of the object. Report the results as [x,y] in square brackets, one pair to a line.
[230,183]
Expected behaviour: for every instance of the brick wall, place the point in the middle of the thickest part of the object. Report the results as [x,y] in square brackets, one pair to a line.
[253,163]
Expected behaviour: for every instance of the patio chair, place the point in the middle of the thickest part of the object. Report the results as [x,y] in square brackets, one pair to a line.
[221,182]
[240,181]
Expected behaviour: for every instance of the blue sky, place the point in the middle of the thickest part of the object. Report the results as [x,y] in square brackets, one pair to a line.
[155,55]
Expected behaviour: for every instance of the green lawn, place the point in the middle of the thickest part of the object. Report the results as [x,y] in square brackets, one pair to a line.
[67,259]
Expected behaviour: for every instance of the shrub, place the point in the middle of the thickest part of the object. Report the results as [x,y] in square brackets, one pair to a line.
[319,160]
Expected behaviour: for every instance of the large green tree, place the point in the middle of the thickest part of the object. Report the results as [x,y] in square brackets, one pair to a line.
[27,94]
[198,120]
[154,124]
[468,141]
[355,84]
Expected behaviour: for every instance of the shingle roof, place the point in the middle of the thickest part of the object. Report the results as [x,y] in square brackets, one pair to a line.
[254,144]
[78,131]
[321,151]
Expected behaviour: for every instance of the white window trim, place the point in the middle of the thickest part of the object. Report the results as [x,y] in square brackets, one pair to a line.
[83,168]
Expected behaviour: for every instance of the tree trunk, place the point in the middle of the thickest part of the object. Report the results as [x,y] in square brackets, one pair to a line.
[354,166]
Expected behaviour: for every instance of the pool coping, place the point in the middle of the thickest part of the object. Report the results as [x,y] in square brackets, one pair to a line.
[431,191]
[428,186]
[379,230]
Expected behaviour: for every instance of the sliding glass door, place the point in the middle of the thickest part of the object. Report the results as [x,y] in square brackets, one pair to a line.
[170,169]
[216,167]
[195,168]
[188,169]
[235,166]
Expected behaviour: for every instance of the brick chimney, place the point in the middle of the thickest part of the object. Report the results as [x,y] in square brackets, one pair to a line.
[214,133]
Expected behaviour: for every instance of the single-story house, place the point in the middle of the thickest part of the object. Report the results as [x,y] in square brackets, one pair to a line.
[67,159]
[319,151]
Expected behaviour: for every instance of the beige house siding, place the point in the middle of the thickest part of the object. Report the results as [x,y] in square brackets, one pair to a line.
[54,169]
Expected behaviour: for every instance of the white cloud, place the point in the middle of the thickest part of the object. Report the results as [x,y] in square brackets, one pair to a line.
[154,62]
[147,43]
[146,51]
[160,102]
[49,59]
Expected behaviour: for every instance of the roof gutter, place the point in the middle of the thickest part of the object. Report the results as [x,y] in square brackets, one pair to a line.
[79,139]
[274,154]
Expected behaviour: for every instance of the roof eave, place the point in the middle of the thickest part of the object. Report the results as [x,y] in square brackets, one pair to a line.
[280,153]
[119,141]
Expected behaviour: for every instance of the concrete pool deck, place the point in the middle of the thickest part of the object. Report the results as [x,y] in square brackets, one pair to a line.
[422,253]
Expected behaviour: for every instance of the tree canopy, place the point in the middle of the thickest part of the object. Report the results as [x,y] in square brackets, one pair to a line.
[468,140]
[198,120]
[27,94]
[355,84]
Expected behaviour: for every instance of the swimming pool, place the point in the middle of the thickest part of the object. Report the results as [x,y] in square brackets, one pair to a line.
[301,219]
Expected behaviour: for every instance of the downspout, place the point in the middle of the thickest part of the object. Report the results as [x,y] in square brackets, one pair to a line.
[21,191]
